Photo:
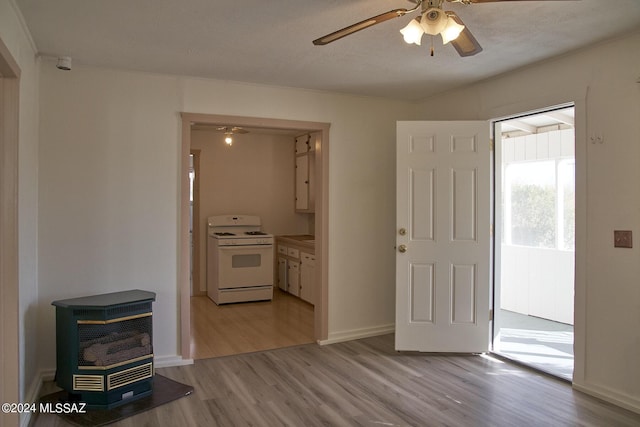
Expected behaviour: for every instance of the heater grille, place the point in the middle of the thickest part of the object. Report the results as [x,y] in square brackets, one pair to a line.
[129,376]
[88,383]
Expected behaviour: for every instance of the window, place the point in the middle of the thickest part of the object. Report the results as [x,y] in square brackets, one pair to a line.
[531,203]
[539,195]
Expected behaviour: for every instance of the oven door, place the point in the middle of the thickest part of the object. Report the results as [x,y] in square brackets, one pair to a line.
[245,266]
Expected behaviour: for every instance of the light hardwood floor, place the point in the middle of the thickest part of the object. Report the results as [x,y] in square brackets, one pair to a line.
[367,383]
[246,327]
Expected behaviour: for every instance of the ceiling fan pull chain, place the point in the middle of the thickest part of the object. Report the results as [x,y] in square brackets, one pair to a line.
[431,46]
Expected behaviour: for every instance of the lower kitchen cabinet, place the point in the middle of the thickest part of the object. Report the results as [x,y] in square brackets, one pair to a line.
[308,277]
[293,277]
[282,273]
[296,268]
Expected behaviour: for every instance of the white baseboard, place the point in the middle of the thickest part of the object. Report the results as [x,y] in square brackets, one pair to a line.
[168,361]
[611,396]
[355,334]
[32,395]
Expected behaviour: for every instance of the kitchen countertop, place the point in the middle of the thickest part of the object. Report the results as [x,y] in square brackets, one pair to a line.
[306,240]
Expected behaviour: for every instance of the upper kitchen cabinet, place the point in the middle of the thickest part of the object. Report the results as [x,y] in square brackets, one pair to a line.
[305,172]
[304,145]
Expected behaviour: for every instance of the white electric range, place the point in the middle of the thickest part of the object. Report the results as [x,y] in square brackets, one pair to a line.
[239,259]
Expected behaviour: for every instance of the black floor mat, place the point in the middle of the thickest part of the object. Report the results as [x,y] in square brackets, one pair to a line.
[165,390]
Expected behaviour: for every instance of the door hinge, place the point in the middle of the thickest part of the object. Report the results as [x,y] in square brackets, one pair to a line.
[491,230]
[491,145]
[491,314]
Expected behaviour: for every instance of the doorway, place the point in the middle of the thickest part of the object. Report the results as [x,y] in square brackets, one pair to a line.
[535,240]
[320,316]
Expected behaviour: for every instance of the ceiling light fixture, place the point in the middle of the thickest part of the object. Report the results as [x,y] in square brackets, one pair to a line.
[229,131]
[433,21]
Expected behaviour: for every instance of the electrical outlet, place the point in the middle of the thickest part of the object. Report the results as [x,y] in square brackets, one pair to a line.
[622,239]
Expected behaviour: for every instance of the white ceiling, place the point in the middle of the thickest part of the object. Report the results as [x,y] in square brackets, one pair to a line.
[269,42]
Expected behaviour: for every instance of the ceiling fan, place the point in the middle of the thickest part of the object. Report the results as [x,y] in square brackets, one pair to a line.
[229,131]
[432,20]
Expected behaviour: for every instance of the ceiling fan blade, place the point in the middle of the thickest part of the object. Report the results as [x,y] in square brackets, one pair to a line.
[465,43]
[493,1]
[231,129]
[396,13]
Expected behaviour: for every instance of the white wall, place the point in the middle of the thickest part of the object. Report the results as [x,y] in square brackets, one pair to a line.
[603,81]
[109,196]
[108,193]
[253,177]
[537,282]
[18,40]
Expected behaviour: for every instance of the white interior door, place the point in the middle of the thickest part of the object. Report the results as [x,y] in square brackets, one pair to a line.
[443,236]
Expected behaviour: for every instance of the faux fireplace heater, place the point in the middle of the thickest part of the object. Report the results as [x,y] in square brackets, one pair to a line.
[104,347]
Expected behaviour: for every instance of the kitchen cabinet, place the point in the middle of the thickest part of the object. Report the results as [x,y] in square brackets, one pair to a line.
[303,144]
[293,277]
[296,266]
[282,273]
[307,277]
[305,173]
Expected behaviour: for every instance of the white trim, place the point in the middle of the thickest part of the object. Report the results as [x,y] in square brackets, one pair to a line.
[355,334]
[169,361]
[579,99]
[33,393]
[611,396]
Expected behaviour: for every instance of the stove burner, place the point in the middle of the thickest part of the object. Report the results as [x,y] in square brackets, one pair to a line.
[255,233]
[224,234]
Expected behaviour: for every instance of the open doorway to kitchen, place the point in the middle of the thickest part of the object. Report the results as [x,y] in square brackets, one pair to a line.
[535,240]
[248,326]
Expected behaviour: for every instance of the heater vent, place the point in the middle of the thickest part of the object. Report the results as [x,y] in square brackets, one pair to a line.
[88,383]
[79,312]
[128,309]
[129,376]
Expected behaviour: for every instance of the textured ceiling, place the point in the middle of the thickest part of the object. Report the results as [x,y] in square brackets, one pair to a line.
[269,42]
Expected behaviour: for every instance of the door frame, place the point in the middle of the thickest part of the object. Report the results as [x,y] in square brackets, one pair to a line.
[9,285]
[579,101]
[321,309]
[498,183]
[195,227]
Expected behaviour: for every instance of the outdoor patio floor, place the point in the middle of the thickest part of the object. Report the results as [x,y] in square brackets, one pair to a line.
[540,343]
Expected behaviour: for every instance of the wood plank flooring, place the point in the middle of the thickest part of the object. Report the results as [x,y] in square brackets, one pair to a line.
[246,327]
[367,383]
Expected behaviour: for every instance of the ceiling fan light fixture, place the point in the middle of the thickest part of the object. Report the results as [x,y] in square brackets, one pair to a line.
[228,139]
[451,31]
[434,21]
[413,32]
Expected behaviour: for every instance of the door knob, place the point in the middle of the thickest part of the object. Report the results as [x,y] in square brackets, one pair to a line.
[402,231]
[402,248]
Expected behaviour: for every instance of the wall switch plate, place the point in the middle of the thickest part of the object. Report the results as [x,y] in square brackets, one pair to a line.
[622,239]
